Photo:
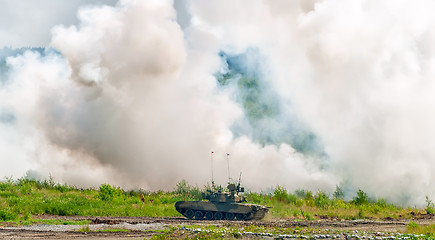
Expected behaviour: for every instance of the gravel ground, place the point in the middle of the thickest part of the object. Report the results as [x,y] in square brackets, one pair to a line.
[92,227]
[145,227]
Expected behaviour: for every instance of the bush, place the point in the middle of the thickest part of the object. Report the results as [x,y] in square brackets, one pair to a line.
[62,188]
[5,187]
[430,209]
[292,198]
[361,198]
[339,193]
[382,203]
[185,190]
[108,193]
[300,193]
[182,188]
[7,215]
[413,225]
[321,200]
[280,194]
[258,198]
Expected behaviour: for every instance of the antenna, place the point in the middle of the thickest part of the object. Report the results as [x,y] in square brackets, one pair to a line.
[238,184]
[211,159]
[228,162]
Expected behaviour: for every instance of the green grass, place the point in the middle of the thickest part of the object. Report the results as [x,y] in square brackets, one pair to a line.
[22,199]
[85,229]
[306,205]
[427,230]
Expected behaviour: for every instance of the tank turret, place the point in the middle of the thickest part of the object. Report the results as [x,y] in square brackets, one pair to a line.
[228,197]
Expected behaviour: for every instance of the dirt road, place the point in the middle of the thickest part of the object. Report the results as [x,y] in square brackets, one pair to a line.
[146,227]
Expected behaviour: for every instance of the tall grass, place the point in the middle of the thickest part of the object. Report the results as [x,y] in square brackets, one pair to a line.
[23,198]
[304,204]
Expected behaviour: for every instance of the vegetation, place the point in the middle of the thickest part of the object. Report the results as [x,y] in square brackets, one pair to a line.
[428,230]
[22,199]
[304,204]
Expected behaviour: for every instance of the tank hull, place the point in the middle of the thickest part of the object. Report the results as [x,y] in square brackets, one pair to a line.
[220,210]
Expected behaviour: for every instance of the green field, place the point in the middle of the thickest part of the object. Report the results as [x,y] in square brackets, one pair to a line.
[21,199]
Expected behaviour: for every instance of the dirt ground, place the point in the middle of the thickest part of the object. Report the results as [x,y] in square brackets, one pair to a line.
[146,227]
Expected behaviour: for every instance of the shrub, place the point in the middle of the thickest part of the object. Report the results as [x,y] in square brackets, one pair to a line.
[185,190]
[85,229]
[108,193]
[5,187]
[292,198]
[62,188]
[308,196]
[382,203]
[7,215]
[182,188]
[413,225]
[361,198]
[300,193]
[375,209]
[339,193]
[321,200]
[430,208]
[361,214]
[254,197]
[280,194]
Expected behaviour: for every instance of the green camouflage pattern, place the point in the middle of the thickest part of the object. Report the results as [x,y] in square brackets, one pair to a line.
[222,206]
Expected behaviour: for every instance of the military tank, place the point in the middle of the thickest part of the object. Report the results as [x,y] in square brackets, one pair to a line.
[222,206]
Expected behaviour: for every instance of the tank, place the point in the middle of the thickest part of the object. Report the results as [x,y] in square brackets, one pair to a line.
[218,205]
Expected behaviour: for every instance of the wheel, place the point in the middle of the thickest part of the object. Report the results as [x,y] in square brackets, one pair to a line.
[199,215]
[229,216]
[209,215]
[189,213]
[218,216]
[240,216]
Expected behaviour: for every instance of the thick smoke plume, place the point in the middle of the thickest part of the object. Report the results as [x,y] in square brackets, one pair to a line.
[139,94]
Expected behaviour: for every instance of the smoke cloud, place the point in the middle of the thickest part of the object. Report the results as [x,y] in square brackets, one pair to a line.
[302,94]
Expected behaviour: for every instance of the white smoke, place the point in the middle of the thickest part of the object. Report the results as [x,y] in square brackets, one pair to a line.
[132,98]
[28,23]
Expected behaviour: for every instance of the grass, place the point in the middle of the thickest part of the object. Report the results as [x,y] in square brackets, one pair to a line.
[305,205]
[85,229]
[427,230]
[22,199]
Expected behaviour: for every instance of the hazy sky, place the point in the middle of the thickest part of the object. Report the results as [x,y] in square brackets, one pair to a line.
[28,22]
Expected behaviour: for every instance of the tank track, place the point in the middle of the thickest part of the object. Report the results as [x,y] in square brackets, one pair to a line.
[212,215]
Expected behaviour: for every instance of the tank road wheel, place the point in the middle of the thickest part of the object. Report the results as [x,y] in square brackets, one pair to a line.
[240,216]
[229,216]
[209,216]
[199,215]
[218,216]
[189,213]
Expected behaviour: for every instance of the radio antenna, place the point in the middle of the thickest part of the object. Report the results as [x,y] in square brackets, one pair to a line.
[211,159]
[228,162]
